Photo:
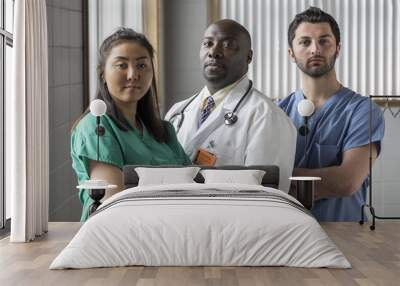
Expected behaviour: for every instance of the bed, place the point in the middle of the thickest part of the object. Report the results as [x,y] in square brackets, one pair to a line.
[201,224]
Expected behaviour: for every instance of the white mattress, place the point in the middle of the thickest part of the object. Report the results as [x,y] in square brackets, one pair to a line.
[185,230]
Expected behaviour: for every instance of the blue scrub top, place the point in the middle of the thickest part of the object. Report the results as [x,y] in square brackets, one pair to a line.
[342,123]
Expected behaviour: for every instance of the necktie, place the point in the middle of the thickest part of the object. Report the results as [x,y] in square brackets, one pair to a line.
[210,104]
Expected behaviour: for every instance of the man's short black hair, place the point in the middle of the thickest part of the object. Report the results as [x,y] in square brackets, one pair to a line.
[313,15]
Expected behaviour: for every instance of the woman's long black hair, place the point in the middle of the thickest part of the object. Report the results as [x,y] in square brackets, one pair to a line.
[148,109]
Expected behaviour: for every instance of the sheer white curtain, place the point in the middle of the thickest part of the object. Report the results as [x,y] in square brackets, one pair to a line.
[370,57]
[27,141]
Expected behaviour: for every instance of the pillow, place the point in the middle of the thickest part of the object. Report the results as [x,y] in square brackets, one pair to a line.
[165,176]
[248,177]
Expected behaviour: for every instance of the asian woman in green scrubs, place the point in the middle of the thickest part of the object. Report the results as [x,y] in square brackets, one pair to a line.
[134,131]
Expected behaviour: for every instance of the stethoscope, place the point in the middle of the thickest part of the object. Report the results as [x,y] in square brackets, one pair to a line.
[230,117]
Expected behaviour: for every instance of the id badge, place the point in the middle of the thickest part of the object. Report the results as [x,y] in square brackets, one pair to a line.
[205,158]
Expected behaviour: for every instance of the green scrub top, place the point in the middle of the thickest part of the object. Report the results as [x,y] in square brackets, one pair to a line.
[119,148]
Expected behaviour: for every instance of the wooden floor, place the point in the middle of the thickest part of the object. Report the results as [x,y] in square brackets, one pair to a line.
[374,255]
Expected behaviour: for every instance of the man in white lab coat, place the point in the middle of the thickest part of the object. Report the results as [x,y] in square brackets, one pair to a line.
[229,121]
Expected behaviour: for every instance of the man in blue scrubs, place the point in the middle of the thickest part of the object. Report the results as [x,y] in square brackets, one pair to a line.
[337,142]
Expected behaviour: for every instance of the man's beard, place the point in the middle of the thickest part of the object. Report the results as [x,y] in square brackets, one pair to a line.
[316,72]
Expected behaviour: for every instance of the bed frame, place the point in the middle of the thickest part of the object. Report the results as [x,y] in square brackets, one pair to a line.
[131,178]
[270,179]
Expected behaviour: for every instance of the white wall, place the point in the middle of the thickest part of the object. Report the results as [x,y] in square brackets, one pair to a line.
[386,170]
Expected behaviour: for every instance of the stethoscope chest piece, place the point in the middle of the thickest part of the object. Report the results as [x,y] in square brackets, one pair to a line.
[230,118]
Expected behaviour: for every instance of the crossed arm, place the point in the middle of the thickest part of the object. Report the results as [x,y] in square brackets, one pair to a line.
[337,181]
[342,180]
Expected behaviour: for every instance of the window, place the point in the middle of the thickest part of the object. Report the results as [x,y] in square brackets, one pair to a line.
[6,44]
[105,17]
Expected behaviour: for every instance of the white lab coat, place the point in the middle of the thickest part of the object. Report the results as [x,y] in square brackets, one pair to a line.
[262,135]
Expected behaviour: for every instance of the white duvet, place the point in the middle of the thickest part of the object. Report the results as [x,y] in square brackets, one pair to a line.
[185,230]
